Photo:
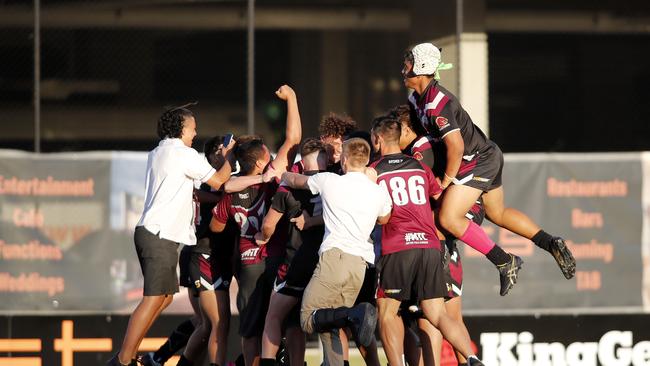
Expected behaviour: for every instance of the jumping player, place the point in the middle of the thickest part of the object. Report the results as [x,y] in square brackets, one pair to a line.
[474,165]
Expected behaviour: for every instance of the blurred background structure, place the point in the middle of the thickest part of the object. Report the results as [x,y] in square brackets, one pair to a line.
[551,76]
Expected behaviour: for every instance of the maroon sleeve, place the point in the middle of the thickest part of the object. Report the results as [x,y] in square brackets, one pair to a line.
[221,212]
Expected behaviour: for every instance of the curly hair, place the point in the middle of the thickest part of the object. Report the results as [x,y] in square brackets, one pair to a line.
[170,123]
[336,125]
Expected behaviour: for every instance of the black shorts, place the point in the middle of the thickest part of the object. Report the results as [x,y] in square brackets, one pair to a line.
[453,269]
[295,279]
[184,260]
[205,274]
[368,290]
[255,286]
[411,274]
[483,171]
[158,259]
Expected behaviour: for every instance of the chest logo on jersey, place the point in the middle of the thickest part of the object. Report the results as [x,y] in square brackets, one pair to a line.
[250,254]
[442,122]
[415,238]
[418,155]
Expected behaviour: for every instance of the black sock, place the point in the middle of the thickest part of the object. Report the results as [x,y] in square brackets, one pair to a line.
[462,364]
[543,240]
[177,340]
[498,256]
[267,362]
[184,362]
[346,363]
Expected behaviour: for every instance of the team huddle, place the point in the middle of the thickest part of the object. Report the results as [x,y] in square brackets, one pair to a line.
[359,233]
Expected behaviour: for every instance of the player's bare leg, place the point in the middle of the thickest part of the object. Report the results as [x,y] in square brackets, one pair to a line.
[296,343]
[450,328]
[519,223]
[223,305]
[251,350]
[453,308]
[391,330]
[279,307]
[139,324]
[431,341]
[456,202]
[412,352]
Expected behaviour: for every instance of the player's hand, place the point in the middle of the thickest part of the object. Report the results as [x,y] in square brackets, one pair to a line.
[302,221]
[371,173]
[285,92]
[272,173]
[226,149]
[259,238]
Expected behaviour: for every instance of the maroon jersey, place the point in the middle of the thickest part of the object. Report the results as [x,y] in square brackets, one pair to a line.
[440,113]
[248,209]
[410,184]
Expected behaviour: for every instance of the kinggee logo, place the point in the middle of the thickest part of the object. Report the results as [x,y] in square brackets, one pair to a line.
[615,348]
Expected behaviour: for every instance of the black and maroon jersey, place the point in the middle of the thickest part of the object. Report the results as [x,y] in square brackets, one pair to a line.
[440,113]
[248,209]
[220,244]
[291,203]
[410,184]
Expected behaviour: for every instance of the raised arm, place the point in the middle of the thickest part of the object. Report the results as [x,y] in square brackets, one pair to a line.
[293,132]
[223,174]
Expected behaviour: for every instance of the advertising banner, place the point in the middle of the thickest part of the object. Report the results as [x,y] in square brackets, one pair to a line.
[527,340]
[594,201]
[67,221]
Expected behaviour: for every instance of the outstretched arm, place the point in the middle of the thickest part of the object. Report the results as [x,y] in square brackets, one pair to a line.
[238,184]
[295,180]
[293,132]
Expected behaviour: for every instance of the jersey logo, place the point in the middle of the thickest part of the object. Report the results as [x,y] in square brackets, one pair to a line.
[243,196]
[442,122]
[418,155]
[415,238]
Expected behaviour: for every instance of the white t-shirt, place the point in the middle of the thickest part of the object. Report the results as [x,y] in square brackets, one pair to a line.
[351,205]
[172,169]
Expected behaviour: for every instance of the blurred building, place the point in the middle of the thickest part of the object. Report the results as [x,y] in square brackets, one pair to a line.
[539,75]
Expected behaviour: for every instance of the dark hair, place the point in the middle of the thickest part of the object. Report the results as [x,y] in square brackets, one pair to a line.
[311,145]
[248,151]
[170,123]
[357,151]
[405,115]
[388,128]
[336,125]
[210,149]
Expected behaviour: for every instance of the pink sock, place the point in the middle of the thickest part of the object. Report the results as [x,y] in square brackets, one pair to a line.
[476,238]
